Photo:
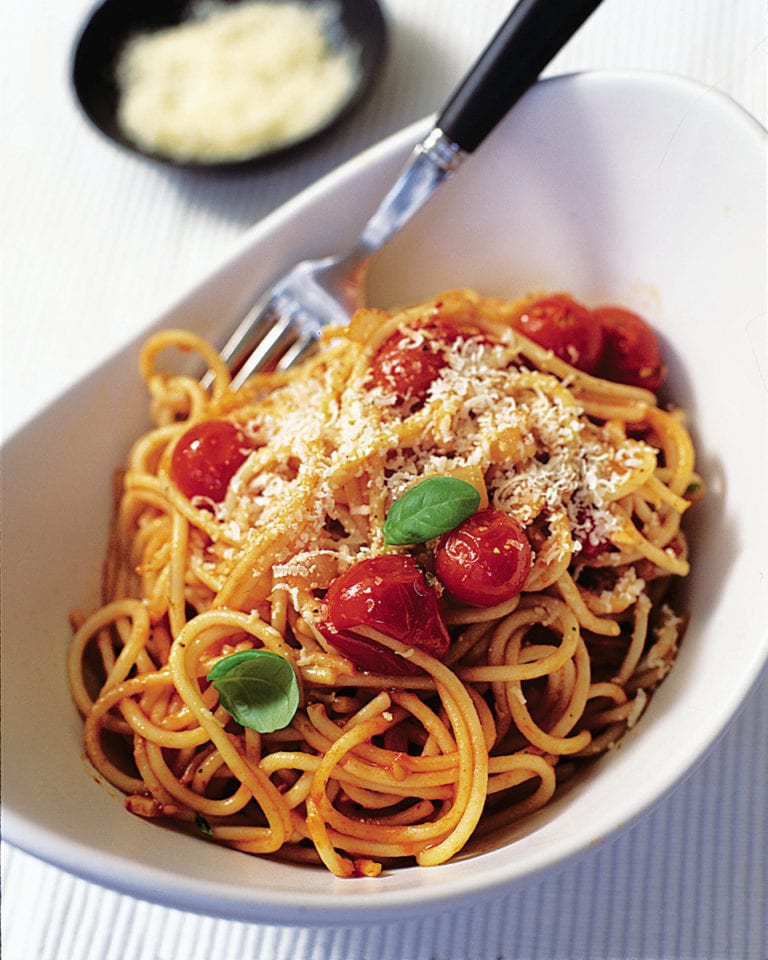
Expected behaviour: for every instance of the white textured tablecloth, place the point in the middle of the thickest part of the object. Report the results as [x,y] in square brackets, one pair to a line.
[95,243]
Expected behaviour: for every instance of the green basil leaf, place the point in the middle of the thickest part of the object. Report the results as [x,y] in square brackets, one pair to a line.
[203,826]
[258,688]
[431,507]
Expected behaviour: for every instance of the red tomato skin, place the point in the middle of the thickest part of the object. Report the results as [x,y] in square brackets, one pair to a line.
[367,654]
[631,350]
[566,327]
[389,593]
[485,560]
[206,458]
[408,371]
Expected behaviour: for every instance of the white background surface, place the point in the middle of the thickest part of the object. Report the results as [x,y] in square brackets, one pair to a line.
[95,243]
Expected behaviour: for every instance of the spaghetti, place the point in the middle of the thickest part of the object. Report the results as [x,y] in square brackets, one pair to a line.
[239,511]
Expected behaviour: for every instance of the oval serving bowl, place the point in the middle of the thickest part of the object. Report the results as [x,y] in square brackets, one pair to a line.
[616,187]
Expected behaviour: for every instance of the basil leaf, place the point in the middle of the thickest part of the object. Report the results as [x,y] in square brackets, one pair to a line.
[258,688]
[434,506]
[203,826]
[693,489]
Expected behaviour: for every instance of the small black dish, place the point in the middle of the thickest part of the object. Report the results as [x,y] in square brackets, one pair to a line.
[101,41]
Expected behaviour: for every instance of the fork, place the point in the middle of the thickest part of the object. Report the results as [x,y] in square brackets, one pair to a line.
[283,326]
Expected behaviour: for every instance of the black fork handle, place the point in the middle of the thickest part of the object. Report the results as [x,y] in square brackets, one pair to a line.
[528,39]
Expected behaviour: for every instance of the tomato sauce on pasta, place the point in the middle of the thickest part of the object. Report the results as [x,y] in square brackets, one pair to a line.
[452,530]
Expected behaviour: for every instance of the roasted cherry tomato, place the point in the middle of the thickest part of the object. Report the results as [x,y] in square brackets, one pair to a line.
[485,560]
[408,368]
[567,328]
[390,594]
[631,351]
[206,458]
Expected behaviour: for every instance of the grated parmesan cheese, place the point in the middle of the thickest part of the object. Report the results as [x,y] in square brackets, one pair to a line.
[562,464]
[335,461]
[626,590]
[667,634]
[636,710]
[234,81]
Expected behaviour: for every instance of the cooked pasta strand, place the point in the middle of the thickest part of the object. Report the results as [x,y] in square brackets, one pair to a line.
[409,753]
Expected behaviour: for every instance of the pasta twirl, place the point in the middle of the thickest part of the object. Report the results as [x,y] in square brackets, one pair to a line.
[239,511]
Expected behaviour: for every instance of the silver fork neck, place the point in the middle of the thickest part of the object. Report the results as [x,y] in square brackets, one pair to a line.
[441,151]
[433,160]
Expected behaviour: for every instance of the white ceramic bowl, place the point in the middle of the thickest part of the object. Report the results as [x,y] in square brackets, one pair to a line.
[640,189]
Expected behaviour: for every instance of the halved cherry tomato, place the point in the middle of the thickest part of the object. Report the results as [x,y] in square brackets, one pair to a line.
[206,458]
[631,351]
[390,594]
[485,560]
[408,368]
[567,328]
